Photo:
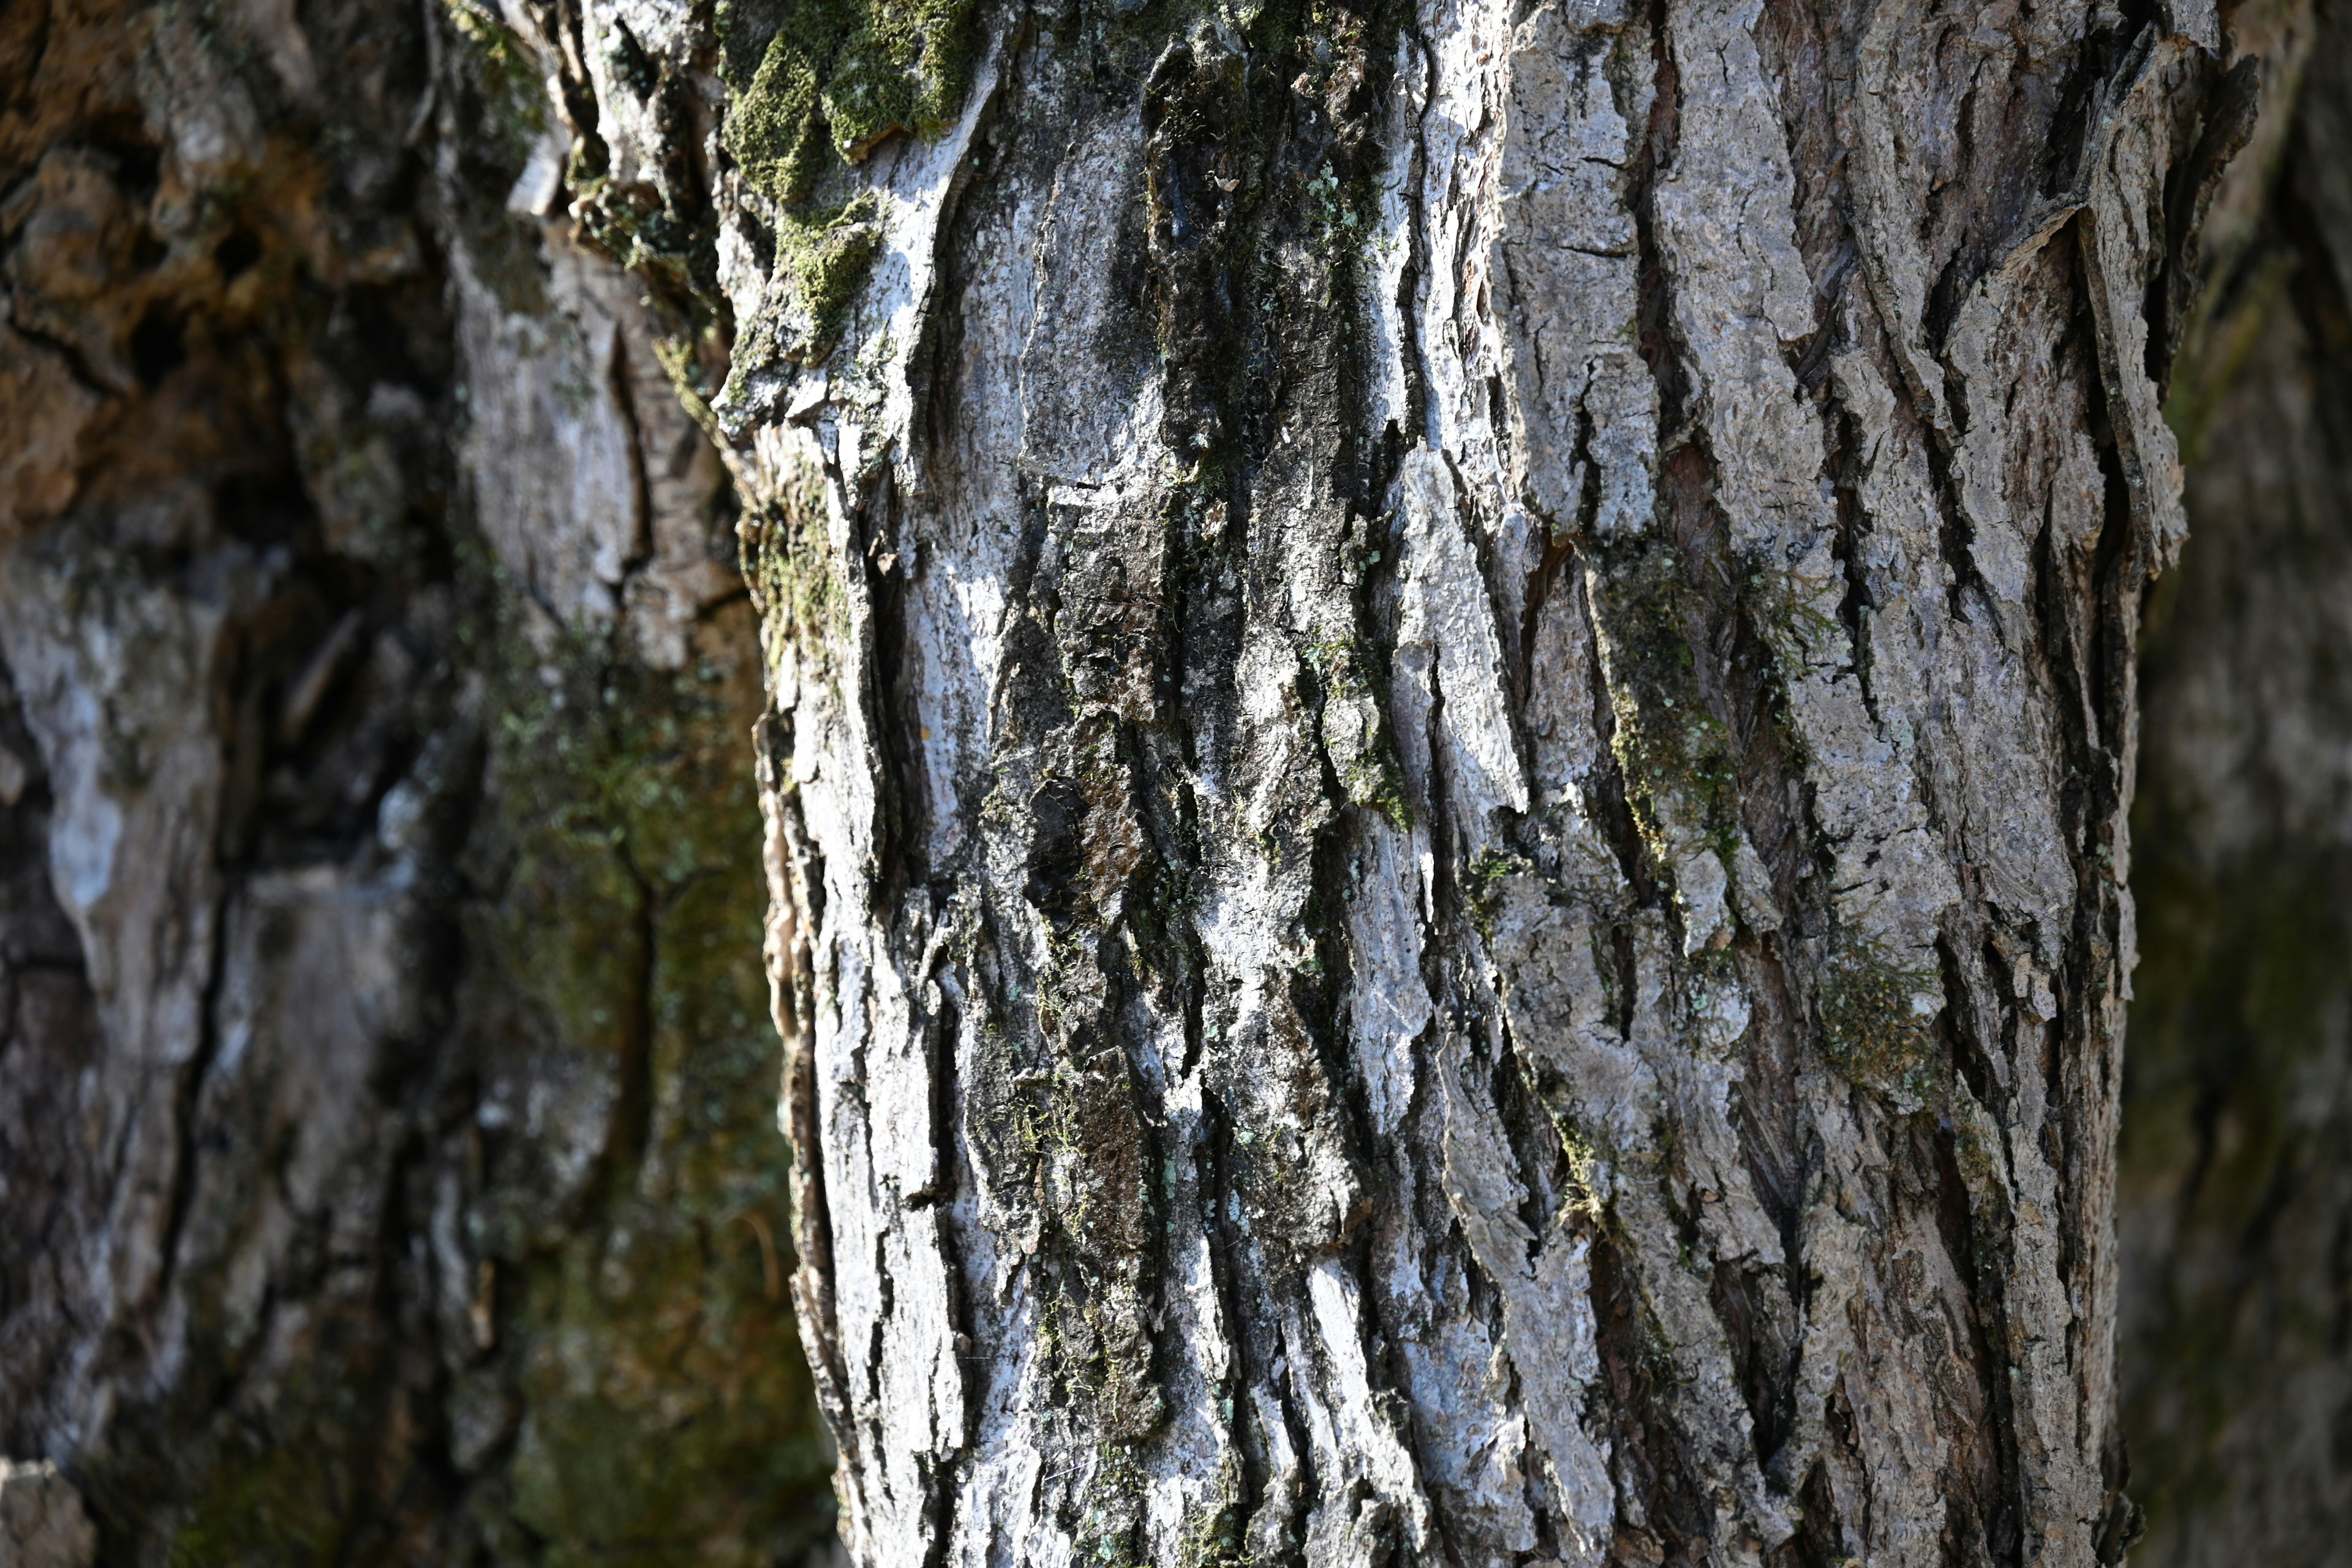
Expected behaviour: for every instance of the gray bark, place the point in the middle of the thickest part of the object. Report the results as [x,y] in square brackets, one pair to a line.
[42,1522]
[1451,711]
[387,1142]
[1449,718]
[2235,1184]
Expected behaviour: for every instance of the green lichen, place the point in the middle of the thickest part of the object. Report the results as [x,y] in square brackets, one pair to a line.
[1111,1516]
[789,566]
[833,78]
[655,222]
[638,226]
[827,256]
[823,257]
[1873,1027]
[1059,1122]
[1786,610]
[1590,1180]
[1100,1222]
[681,362]
[1213,1537]
[776,129]
[1675,756]
[1341,214]
[812,85]
[1482,888]
[1352,721]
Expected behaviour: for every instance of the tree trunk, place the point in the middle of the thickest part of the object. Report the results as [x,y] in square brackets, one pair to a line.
[2236,1185]
[387,1142]
[1452,708]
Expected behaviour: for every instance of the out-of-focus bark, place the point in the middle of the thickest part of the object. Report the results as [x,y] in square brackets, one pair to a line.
[2236,1194]
[42,1521]
[388,1162]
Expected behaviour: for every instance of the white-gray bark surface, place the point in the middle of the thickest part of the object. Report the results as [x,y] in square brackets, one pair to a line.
[1451,711]
[42,1524]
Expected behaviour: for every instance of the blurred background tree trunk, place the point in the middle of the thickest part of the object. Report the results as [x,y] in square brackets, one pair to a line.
[2236,1190]
[388,1161]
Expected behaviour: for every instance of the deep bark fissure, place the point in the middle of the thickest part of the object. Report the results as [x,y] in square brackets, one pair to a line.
[1710,732]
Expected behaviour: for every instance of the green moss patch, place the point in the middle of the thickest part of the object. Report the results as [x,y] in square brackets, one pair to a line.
[827,257]
[812,87]
[833,78]
[1872,1029]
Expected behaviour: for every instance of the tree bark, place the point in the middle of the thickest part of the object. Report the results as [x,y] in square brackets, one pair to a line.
[1451,711]
[2235,1186]
[387,1142]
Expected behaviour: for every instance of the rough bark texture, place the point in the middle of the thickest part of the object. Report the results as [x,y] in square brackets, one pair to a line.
[2236,1183]
[1452,708]
[387,1141]
[42,1523]
[1449,715]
